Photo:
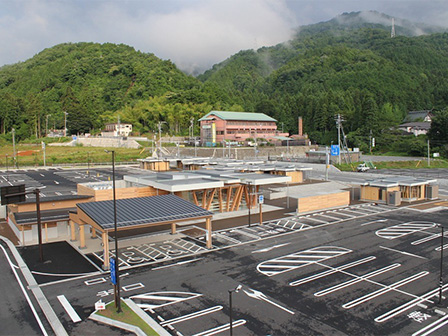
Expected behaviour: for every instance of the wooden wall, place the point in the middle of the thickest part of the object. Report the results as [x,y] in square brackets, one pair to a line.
[326,201]
[131,192]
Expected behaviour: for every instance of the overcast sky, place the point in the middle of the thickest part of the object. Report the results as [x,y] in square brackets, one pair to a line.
[194,34]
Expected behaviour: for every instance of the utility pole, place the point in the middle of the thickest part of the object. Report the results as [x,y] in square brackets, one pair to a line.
[65,123]
[14,147]
[338,123]
[429,155]
[46,124]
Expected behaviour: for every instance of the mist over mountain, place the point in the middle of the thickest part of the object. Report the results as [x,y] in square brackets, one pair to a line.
[349,65]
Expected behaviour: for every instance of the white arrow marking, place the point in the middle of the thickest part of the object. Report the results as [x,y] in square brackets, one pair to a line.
[260,296]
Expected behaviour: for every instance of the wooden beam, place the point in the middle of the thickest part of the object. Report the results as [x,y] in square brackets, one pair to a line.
[237,198]
[229,194]
[204,196]
[82,237]
[208,226]
[209,203]
[105,238]
[220,199]
[72,231]
[195,198]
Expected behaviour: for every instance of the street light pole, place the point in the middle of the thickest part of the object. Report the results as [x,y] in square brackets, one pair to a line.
[249,204]
[117,257]
[441,266]
[231,291]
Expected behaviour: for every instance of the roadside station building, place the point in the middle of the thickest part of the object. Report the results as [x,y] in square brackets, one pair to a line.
[394,190]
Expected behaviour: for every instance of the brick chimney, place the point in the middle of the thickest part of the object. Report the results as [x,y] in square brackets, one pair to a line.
[300,127]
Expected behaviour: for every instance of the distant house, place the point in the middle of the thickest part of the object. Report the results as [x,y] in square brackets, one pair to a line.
[417,122]
[218,126]
[415,116]
[117,129]
[417,128]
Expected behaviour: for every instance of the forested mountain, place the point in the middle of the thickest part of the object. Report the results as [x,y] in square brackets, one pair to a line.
[91,82]
[349,65]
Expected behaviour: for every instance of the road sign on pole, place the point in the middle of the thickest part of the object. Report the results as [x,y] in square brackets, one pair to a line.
[260,199]
[335,150]
[113,273]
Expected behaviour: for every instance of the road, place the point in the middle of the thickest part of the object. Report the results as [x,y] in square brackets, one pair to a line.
[354,271]
[19,313]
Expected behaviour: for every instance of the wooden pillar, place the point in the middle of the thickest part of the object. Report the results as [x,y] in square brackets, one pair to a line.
[46,232]
[220,199]
[208,226]
[105,238]
[82,237]
[93,231]
[173,228]
[72,231]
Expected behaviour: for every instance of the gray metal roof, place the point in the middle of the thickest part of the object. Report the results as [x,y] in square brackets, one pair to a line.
[142,210]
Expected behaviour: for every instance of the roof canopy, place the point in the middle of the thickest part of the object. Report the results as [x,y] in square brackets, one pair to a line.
[142,210]
[245,116]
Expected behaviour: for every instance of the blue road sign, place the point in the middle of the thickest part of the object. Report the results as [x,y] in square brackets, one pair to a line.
[334,150]
[260,199]
[112,271]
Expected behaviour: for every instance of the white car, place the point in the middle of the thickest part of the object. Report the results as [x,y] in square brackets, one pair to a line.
[362,167]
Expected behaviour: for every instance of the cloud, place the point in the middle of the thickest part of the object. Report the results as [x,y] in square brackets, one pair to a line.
[193,34]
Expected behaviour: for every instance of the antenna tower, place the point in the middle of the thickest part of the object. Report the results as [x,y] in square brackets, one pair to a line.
[392,32]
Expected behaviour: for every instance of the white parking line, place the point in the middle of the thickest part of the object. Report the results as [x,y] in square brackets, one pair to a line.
[384,290]
[408,305]
[221,328]
[432,327]
[69,309]
[331,271]
[192,315]
[356,280]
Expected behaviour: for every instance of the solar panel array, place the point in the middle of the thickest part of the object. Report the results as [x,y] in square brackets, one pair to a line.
[142,210]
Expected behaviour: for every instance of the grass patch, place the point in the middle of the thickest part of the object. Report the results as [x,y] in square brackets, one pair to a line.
[127,316]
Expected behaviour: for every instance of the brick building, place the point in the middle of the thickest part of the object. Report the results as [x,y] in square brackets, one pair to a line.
[218,126]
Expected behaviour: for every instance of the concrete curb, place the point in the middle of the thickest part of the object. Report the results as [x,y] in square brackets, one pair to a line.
[49,313]
[145,317]
[118,324]
[129,327]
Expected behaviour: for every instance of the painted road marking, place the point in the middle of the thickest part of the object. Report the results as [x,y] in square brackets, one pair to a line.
[39,322]
[331,271]
[69,309]
[133,287]
[426,239]
[191,315]
[221,328]
[398,231]
[402,252]
[267,249]
[356,280]
[260,296]
[384,290]
[408,305]
[300,259]
[94,281]
[432,327]
[176,264]
[374,222]
[154,300]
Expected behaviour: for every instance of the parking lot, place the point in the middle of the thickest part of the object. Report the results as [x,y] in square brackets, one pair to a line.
[364,269]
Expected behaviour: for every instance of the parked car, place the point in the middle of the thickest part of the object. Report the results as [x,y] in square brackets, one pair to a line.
[362,167]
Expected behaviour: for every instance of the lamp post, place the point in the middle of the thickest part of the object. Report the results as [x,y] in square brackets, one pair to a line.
[441,265]
[231,291]
[117,258]
[6,161]
[249,203]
